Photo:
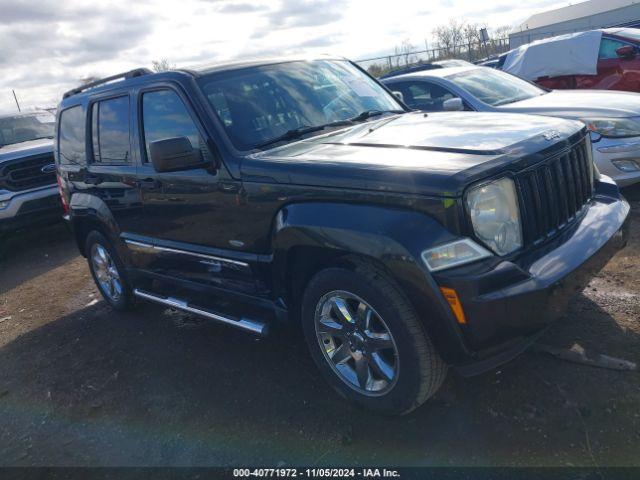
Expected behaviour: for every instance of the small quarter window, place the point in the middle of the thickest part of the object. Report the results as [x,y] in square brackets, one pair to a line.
[71,136]
[110,131]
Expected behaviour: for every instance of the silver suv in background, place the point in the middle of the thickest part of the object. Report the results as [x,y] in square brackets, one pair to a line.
[28,189]
[613,116]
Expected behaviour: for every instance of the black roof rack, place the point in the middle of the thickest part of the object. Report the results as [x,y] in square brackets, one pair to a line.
[138,72]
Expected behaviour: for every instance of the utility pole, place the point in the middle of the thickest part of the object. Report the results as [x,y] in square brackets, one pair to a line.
[16,99]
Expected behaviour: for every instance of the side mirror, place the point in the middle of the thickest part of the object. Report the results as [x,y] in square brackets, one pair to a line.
[398,95]
[453,105]
[628,51]
[173,154]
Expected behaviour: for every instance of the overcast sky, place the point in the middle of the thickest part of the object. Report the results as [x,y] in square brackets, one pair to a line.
[46,46]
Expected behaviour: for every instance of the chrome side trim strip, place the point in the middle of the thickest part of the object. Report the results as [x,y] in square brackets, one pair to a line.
[254,326]
[148,246]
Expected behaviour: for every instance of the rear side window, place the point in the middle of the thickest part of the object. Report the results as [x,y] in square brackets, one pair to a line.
[165,116]
[608,48]
[110,131]
[71,136]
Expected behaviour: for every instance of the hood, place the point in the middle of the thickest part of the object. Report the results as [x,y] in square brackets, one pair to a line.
[436,154]
[579,104]
[24,149]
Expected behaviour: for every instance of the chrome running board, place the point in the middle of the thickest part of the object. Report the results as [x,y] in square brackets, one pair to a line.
[254,326]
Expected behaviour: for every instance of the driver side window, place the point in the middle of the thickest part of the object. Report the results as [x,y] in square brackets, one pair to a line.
[422,95]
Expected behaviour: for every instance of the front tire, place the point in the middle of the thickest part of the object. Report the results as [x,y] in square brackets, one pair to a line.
[108,272]
[367,340]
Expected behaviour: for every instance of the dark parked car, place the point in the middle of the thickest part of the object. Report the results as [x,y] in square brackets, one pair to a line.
[28,191]
[421,67]
[303,191]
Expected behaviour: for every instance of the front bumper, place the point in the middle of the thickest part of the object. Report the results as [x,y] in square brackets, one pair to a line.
[608,149]
[37,206]
[508,304]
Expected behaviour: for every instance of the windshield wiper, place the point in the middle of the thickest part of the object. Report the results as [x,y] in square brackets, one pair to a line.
[296,133]
[372,113]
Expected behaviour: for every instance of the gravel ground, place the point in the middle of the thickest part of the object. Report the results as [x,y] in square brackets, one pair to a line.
[83,385]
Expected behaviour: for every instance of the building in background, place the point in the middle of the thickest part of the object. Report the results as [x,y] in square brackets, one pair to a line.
[577,18]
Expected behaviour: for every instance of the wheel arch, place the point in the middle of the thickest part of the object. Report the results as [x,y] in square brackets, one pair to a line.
[309,237]
[89,213]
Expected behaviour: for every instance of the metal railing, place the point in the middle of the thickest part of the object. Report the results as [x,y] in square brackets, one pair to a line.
[471,52]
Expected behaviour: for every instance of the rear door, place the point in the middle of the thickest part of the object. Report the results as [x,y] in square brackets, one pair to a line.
[184,228]
[111,168]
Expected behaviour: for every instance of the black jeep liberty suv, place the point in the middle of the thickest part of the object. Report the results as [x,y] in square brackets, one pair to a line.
[303,190]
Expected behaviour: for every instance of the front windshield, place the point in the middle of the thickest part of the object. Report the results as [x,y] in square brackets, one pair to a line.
[25,127]
[494,87]
[259,104]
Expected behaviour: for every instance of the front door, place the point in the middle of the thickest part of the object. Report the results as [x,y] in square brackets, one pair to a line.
[182,230]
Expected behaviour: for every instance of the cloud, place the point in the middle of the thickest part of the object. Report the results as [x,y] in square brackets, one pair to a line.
[47,46]
[306,13]
[242,8]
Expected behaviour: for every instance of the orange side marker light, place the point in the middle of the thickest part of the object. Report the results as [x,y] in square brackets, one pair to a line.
[454,302]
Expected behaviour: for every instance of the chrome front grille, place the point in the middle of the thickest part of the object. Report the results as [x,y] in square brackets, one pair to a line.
[26,173]
[553,193]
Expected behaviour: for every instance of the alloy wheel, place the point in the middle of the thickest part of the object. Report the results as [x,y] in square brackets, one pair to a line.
[357,343]
[106,272]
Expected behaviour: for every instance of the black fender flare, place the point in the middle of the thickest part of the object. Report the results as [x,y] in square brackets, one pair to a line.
[89,212]
[394,237]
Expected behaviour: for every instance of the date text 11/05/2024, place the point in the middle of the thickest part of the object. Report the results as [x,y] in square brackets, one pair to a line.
[316,473]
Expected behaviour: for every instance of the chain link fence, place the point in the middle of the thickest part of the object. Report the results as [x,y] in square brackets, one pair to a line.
[471,52]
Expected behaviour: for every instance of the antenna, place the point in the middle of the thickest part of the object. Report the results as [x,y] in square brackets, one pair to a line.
[16,99]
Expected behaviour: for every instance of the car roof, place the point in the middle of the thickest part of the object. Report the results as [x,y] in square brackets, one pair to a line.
[123,79]
[220,66]
[437,72]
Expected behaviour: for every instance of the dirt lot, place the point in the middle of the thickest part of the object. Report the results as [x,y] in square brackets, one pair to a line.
[82,385]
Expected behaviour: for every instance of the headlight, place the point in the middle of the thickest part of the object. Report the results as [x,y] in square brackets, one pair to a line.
[494,212]
[613,127]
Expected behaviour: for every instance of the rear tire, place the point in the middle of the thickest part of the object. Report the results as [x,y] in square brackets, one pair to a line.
[402,368]
[108,272]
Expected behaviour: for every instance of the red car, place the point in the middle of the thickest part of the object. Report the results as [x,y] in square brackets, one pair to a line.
[618,64]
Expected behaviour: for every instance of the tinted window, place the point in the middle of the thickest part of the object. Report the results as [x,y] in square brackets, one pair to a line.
[608,48]
[423,95]
[165,116]
[259,104]
[110,131]
[71,137]
[25,127]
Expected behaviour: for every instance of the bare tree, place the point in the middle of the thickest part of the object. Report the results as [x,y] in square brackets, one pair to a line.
[162,65]
[444,40]
[471,32]
[500,32]
[405,49]
[449,37]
